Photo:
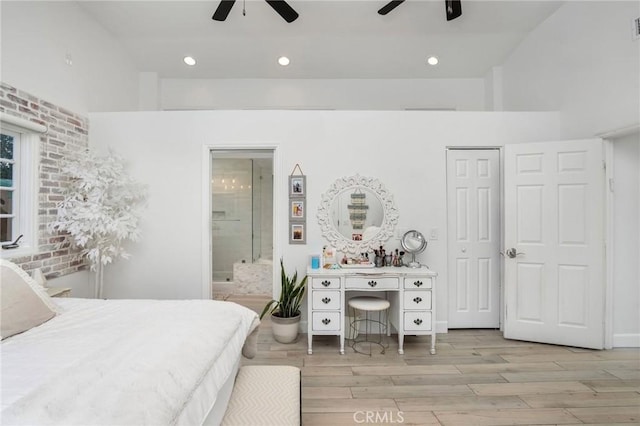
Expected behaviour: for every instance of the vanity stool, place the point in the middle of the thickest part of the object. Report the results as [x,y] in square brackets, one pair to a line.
[375,311]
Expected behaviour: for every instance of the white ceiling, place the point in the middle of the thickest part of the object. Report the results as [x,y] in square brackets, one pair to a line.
[330,39]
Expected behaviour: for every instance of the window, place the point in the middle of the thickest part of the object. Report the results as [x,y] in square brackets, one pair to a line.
[9,186]
[19,144]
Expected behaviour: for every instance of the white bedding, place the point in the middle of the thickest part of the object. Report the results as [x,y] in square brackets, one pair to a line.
[122,362]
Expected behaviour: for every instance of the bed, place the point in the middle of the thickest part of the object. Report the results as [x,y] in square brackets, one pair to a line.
[123,362]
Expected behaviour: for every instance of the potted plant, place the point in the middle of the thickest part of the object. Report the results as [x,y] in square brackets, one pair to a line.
[285,312]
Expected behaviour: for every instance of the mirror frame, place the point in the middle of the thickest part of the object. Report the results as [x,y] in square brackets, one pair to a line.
[339,241]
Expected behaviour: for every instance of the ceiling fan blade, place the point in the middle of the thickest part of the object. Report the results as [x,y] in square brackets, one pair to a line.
[284,10]
[223,10]
[390,6]
[453,8]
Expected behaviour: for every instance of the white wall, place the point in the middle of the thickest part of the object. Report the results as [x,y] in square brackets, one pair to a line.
[36,39]
[360,94]
[148,91]
[626,224]
[404,150]
[493,86]
[581,61]
[81,283]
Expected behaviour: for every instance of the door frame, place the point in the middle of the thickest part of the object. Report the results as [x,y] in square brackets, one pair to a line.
[206,246]
[500,148]
[608,243]
[608,139]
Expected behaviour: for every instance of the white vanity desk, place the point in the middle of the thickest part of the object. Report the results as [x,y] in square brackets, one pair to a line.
[411,292]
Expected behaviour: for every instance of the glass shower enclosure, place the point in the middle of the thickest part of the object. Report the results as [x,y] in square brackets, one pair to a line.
[241,216]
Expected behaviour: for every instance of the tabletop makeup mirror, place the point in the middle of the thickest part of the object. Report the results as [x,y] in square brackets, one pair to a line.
[413,242]
[357,214]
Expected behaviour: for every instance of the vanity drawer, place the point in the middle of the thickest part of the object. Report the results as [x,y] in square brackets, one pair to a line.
[327,300]
[417,321]
[326,321]
[372,283]
[417,283]
[325,283]
[417,300]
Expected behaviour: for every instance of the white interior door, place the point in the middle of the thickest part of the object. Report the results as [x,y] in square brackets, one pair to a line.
[554,281]
[473,207]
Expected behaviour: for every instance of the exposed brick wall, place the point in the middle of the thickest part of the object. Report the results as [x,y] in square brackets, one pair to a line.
[67,132]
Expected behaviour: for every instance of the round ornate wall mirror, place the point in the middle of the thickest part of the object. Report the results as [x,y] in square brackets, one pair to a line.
[413,242]
[357,214]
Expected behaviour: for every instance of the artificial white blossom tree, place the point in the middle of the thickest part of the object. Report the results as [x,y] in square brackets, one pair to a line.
[101,209]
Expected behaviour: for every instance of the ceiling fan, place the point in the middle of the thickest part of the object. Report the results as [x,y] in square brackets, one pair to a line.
[452,7]
[280,6]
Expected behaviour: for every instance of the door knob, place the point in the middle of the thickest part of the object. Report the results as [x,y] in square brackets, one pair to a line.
[464,249]
[511,253]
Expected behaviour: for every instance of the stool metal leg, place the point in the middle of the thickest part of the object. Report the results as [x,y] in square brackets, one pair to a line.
[369,320]
[353,325]
[383,328]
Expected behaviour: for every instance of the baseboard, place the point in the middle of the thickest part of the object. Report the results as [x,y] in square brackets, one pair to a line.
[626,340]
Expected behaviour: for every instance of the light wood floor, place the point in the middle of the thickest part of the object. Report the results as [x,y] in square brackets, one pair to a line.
[476,378]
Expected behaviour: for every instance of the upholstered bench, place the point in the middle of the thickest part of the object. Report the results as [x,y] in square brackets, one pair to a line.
[265,395]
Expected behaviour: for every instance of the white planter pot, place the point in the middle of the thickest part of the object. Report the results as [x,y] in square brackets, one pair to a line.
[285,330]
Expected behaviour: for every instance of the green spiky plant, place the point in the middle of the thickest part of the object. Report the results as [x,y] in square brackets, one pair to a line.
[291,294]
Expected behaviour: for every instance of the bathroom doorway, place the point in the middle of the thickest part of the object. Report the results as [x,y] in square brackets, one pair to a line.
[241,188]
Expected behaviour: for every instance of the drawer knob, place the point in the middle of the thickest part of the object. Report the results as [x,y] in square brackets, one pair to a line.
[326,300]
[417,321]
[372,283]
[326,283]
[417,299]
[417,283]
[326,321]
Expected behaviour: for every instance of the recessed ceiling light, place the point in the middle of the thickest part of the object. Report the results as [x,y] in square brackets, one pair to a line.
[284,61]
[189,61]
[432,60]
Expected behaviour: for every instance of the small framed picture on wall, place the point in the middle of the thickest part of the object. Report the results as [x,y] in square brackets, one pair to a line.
[297,186]
[297,209]
[297,233]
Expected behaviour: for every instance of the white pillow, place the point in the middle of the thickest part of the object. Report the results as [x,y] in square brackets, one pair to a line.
[40,291]
[24,304]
